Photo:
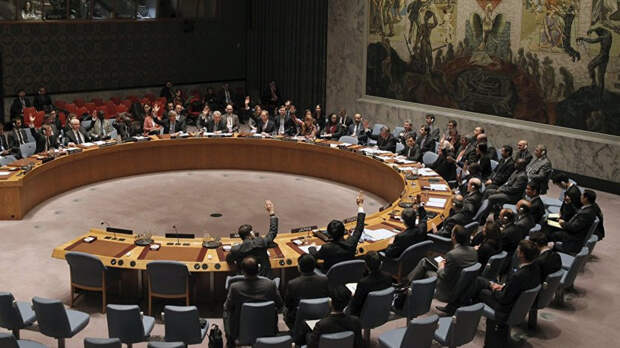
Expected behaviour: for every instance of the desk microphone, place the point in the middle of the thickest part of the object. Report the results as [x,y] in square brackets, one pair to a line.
[174,227]
[103,223]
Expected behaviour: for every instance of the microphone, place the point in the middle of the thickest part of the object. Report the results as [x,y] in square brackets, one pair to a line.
[103,223]
[174,227]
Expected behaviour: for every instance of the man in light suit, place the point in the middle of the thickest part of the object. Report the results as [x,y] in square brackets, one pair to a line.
[539,170]
[502,171]
[357,129]
[101,128]
[76,135]
[231,120]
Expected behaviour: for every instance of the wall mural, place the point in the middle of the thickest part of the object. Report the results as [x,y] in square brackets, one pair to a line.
[548,71]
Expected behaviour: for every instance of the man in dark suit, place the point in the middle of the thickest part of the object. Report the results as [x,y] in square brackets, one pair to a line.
[340,249]
[537,207]
[264,124]
[512,190]
[216,123]
[374,281]
[511,234]
[484,160]
[414,232]
[357,129]
[539,170]
[574,231]
[308,285]
[407,132]
[523,152]
[19,103]
[226,95]
[433,131]
[425,140]
[19,134]
[172,124]
[548,260]
[445,164]
[411,150]
[448,271]
[271,96]
[572,195]
[256,246]
[47,140]
[42,101]
[385,139]
[344,119]
[337,321]
[504,168]
[6,142]
[284,124]
[250,289]
[471,203]
[167,92]
[76,135]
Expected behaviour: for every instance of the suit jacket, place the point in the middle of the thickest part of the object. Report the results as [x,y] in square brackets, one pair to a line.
[290,128]
[256,247]
[526,155]
[408,237]
[179,125]
[412,153]
[23,133]
[6,142]
[71,138]
[203,120]
[372,282]
[43,142]
[42,102]
[577,228]
[485,166]
[526,222]
[549,262]
[268,127]
[539,171]
[527,277]
[461,256]
[306,286]
[426,143]
[17,107]
[98,125]
[537,209]
[435,132]
[443,167]
[333,323]
[502,172]
[235,122]
[362,137]
[222,96]
[341,250]
[385,144]
[515,186]
[512,234]
[345,121]
[213,126]
[248,290]
[471,203]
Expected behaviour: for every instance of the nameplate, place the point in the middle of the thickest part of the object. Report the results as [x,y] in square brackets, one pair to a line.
[351,219]
[236,235]
[303,229]
[74,150]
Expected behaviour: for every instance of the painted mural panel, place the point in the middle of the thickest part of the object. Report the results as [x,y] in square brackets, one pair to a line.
[552,73]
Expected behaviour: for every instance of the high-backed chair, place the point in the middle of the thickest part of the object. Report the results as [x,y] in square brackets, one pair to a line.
[348,139]
[461,328]
[419,333]
[182,324]
[56,321]
[7,340]
[376,310]
[167,279]
[397,130]
[517,314]
[91,342]
[233,279]
[569,276]
[28,149]
[545,296]
[166,345]
[482,211]
[408,259]
[309,309]
[429,158]
[257,319]
[87,273]
[285,341]
[467,276]
[14,315]
[419,297]
[128,324]
[494,265]
[344,272]
[399,147]
[344,339]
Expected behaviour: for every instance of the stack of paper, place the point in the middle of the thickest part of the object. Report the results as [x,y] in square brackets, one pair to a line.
[306,248]
[436,202]
[384,158]
[100,142]
[554,224]
[426,172]
[3,173]
[88,144]
[439,187]
[375,235]
[404,161]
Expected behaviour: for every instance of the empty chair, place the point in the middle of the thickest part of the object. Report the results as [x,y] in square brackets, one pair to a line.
[167,279]
[419,333]
[348,139]
[257,319]
[344,339]
[90,342]
[420,297]
[376,310]
[494,265]
[399,147]
[467,276]
[376,129]
[482,211]
[402,265]
[285,341]
[126,323]
[429,158]
[7,340]
[166,345]
[56,321]
[309,309]
[517,314]
[233,279]
[571,273]
[591,243]
[472,227]
[545,296]
[183,324]
[87,273]
[461,328]
[344,272]
[512,207]
[397,130]
[14,315]
[28,149]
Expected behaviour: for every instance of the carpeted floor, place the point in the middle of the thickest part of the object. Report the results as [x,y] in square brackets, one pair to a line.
[591,317]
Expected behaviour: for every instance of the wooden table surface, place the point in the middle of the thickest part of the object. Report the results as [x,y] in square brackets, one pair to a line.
[21,191]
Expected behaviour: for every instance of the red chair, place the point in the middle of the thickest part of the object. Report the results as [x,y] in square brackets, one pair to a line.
[195,93]
[91,107]
[110,110]
[83,110]
[161,101]
[133,98]
[97,101]
[79,102]
[115,100]
[60,104]
[127,103]
[63,118]
[145,101]
[38,119]
[121,108]
[150,96]
[71,108]
[29,111]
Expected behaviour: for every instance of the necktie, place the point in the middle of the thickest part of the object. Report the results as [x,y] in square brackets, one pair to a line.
[355,129]
[78,136]
[281,131]
[409,153]
[172,127]
[227,96]
[47,143]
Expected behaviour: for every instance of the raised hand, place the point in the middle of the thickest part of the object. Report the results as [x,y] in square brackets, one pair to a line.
[359,199]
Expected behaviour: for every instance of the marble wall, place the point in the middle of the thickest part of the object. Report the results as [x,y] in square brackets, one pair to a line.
[585,153]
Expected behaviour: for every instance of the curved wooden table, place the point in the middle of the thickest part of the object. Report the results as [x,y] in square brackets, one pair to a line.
[22,192]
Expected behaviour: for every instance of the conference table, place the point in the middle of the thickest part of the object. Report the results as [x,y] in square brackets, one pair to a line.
[397,181]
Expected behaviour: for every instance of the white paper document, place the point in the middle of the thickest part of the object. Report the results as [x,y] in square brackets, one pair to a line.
[375,235]
[3,173]
[427,172]
[306,248]
[88,144]
[436,202]
[439,187]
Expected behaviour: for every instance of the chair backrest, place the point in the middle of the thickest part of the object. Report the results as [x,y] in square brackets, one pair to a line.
[4,160]
[549,286]
[167,277]
[467,276]
[10,318]
[85,269]
[28,149]
[522,306]
[471,227]
[420,297]
[124,322]
[182,324]
[348,139]
[412,255]
[274,342]
[258,319]
[592,229]
[310,309]
[7,340]
[420,332]
[343,339]
[484,207]
[166,345]
[399,147]
[494,265]
[376,308]
[591,243]
[350,271]
[397,130]
[429,158]
[494,164]
[52,317]
[376,129]
[233,279]
[578,262]
[466,321]
[90,342]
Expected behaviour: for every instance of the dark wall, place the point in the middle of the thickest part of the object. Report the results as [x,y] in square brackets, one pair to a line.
[287,42]
[87,56]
